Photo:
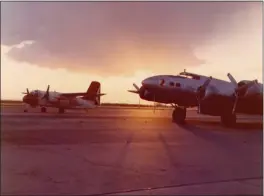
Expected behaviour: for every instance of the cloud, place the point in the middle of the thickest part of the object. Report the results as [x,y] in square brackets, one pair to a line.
[111,38]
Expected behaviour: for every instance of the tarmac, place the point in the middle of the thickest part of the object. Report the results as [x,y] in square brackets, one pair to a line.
[110,151]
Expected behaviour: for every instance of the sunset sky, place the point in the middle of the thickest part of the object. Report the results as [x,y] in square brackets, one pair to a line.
[69,44]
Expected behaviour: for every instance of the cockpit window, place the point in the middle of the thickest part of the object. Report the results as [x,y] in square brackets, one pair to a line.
[190,75]
[162,81]
[35,92]
[178,84]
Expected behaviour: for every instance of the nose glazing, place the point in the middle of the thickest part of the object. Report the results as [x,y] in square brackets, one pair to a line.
[147,82]
[26,99]
[29,99]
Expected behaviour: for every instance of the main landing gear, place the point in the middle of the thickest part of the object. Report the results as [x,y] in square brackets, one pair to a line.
[228,119]
[61,110]
[43,109]
[179,115]
[26,107]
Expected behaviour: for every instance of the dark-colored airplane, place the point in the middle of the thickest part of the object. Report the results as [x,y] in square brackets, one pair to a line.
[212,96]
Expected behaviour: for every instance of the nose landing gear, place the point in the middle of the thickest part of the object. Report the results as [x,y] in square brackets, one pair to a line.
[228,119]
[61,110]
[179,115]
[43,109]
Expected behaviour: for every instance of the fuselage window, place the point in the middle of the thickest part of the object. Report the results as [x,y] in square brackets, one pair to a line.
[196,77]
[178,85]
[171,83]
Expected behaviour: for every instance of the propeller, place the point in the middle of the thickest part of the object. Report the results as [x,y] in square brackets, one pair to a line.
[137,91]
[154,105]
[46,95]
[200,92]
[239,89]
[26,92]
[136,86]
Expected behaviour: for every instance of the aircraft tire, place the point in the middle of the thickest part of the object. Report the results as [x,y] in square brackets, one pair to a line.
[43,109]
[61,110]
[228,120]
[179,115]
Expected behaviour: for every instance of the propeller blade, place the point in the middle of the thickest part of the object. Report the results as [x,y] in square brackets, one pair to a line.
[136,87]
[48,89]
[133,91]
[207,82]
[27,91]
[46,96]
[200,90]
[203,86]
[239,89]
[248,85]
[232,79]
[154,104]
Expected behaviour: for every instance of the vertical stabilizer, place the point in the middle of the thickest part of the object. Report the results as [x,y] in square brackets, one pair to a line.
[93,92]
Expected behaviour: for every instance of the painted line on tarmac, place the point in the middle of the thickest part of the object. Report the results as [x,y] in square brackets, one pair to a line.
[181,185]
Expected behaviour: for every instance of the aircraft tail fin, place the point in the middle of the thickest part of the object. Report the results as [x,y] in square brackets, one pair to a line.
[94,93]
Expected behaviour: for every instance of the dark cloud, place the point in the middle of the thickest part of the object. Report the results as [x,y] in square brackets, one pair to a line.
[112,37]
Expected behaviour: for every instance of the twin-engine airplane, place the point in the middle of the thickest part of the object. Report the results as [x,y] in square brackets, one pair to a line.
[212,96]
[62,101]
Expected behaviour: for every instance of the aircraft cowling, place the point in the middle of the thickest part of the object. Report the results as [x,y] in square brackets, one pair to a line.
[208,92]
[30,99]
[143,93]
[251,91]
[210,100]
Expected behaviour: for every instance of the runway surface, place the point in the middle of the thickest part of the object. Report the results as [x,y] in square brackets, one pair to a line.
[128,151]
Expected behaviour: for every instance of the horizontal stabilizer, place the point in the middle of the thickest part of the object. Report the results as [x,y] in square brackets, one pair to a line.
[100,94]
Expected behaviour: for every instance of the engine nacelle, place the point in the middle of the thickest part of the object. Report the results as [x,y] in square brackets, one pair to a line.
[144,93]
[208,92]
[210,99]
[253,90]
[211,106]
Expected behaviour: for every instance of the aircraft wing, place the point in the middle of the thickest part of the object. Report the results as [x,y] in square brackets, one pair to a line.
[246,97]
[78,94]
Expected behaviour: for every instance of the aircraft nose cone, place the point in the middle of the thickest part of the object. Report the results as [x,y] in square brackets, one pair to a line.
[149,82]
[29,99]
[143,82]
[26,99]
[146,82]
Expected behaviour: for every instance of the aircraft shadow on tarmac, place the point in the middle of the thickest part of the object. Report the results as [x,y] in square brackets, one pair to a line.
[213,133]
[217,126]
